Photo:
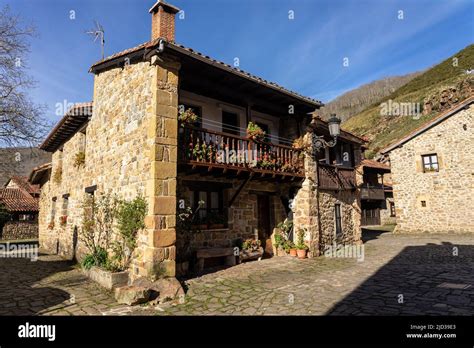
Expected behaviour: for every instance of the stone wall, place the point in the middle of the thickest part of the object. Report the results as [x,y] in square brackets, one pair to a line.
[315,210]
[350,216]
[121,147]
[448,193]
[14,230]
[385,218]
[242,216]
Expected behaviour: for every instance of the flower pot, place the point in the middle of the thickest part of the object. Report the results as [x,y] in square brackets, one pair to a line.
[293,252]
[301,253]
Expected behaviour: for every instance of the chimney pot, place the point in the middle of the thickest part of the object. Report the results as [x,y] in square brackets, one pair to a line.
[163,21]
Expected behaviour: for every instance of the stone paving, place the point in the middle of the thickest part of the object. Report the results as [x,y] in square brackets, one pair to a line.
[400,275]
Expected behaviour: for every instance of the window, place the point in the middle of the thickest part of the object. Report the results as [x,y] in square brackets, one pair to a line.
[53,208]
[196,109]
[230,123]
[392,209]
[423,204]
[65,204]
[430,163]
[338,219]
[212,202]
[26,217]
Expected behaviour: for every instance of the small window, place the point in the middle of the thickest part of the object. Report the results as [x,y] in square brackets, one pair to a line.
[338,218]
[53,208]
[230,123]
[430,163]
[423,204]
[65,204]
[392,209]
[212,204]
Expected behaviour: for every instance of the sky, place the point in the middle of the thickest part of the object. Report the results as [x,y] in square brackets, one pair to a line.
[319,48]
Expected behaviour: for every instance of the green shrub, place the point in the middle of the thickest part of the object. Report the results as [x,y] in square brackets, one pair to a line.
[88,262]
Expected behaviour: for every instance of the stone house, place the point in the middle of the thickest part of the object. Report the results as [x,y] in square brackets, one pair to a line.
[374,181]
[19,204]
[433,179]
[135,145]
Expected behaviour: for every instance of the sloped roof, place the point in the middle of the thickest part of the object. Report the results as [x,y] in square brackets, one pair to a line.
[430,124]
[368,163]
[71,122]
[22,182]
[17,200]
[151,45]
[318,123]
[38,172]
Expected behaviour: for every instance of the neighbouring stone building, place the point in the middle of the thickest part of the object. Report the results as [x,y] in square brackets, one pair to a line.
[130,143]
[432,174]
[19,209]
[375,185]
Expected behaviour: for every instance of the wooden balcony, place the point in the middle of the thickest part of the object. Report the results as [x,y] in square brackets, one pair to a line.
[372,192]
[223,153]
[331,177]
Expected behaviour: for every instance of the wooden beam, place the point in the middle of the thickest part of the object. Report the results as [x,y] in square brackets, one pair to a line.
[236,194]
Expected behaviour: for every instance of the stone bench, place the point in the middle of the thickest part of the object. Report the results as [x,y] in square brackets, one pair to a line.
[202,254]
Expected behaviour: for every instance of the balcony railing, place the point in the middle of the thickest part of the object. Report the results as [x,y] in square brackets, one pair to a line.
[374,192]
[331,177]
[204,147]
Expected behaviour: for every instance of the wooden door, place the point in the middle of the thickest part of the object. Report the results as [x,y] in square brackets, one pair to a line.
[263,218]
[370,217]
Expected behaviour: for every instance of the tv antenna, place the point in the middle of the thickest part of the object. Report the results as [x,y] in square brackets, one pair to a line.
[98,33]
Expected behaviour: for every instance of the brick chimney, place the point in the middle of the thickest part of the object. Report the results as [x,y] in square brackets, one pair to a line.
[162,20]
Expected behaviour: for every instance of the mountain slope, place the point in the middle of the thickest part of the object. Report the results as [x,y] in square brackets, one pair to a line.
[357,100]
[435,90]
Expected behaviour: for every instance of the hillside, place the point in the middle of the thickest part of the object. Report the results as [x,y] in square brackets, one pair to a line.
[357,100]
[20,161]
[435,90]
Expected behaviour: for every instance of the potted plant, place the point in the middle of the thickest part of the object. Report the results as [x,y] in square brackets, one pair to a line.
[280,244]
[301,247]
[254,132]
[292,249]
[187,117]
[251,244]
[251,250]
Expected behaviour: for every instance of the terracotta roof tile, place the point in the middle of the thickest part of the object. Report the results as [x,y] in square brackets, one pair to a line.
[22,182]
[17,200]
[374,164]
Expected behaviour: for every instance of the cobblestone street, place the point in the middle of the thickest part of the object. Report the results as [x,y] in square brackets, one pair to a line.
[408,275]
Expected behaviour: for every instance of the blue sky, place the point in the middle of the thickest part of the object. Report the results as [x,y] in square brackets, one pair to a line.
[304,54]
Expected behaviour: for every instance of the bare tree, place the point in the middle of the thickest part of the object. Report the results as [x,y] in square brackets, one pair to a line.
[21,121]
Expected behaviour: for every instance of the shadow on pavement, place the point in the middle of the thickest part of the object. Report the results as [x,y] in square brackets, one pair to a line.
[20,293]
[431,279]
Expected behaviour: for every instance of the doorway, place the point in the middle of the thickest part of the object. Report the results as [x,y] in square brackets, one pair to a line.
[264,223]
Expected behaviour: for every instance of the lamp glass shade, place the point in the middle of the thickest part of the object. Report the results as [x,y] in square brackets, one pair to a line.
[334,125]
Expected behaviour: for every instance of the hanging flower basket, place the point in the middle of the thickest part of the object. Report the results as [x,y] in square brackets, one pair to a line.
[187,117]
[254,132]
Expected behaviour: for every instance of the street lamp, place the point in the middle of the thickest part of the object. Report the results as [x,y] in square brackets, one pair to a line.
[334,125]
